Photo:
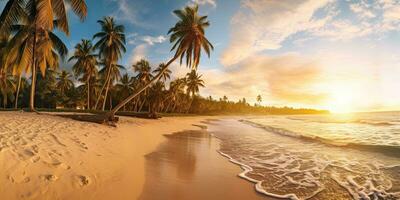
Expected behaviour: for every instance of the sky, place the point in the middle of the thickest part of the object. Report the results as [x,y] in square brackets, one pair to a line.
[341,55]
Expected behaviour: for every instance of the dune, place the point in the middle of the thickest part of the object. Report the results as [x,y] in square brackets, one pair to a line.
[50,157]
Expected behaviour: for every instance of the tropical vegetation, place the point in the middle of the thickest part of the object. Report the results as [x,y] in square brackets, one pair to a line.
[31,51]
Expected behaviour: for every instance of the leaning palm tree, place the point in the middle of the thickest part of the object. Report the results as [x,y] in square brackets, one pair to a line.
[85,64]
[64,82]
[166,74]
[193,82]
[189,38]
[111,45]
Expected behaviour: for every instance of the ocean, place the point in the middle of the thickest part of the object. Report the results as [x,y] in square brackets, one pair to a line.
[347,156]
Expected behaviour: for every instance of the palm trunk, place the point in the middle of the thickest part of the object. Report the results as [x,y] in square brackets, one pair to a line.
[88,93]
[102,89]
[136,104]
[33,84]
[174,107]
[141,105]
[110,115]
[106,94]
[110,102]
[18,87]
[99,97]
[190,105]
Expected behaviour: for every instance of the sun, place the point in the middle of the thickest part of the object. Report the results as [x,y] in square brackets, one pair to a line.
[342,99]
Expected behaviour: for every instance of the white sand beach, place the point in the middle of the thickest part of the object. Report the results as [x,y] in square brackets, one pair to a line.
[50,157]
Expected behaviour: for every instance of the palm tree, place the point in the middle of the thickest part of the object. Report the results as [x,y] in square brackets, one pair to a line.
[114,74]
[193,82]
[34,44]
[175,89]
[64,82]
[259,99]
[6,80]
[85,64]
[166,74]
[189,38]
[46,12]
[21,84]
[47,49]
[46,91]
[124,86]
[156,98]
[111,45]
[7,85]
[143,70]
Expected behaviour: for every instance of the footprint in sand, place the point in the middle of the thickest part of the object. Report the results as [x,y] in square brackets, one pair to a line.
[83,180]
[19,177]
[35,159]
[48,177]
[64,166]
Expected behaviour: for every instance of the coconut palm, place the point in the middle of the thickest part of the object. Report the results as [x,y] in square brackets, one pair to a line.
[156,97]
[46,91]
[34,45]
[85,64]
[47,49]
[193,82]
[259,99]
[189,38]
[166,74]
[22,84]
[125,86]
[7,86]
[112,73]
[176,88]
[64,82]
[142,69]
[45,12]
[111,45]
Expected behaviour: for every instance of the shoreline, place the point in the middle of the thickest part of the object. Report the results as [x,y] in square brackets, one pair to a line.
[188,166]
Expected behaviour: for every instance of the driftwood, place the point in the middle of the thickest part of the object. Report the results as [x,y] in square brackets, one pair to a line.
[139,115]
[96,118]
[103,119]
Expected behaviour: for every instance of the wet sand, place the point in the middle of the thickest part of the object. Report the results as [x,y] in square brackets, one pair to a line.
[188,166]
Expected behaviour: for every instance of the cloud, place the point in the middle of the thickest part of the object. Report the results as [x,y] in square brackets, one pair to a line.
[131,38]
[153,40]
[143,44]
[363,9]
[135,38]
[281,80]
[265,24]
[139,52]
[129,12]
[212,3]
[391,14]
